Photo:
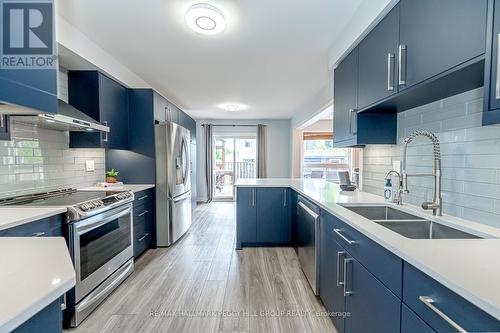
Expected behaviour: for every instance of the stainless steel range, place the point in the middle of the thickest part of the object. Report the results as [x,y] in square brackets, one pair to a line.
[100,242]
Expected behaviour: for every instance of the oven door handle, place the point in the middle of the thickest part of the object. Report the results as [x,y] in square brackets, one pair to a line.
[91,226]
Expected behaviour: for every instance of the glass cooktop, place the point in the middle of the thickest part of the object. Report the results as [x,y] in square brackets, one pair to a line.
[64,200]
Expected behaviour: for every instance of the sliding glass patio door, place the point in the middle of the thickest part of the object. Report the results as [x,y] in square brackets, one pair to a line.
[235,157]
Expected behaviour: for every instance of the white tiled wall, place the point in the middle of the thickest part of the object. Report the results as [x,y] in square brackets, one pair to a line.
[470,158]
[38,159]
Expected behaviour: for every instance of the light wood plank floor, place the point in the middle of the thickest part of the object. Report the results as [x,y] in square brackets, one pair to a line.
[202,284]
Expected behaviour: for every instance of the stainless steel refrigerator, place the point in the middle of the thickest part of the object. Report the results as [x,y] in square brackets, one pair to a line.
[173,185]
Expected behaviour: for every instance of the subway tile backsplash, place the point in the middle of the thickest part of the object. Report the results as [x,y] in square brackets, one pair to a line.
[38,159]
[470,158]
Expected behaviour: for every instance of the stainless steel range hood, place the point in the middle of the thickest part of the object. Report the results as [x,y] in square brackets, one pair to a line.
[67,119]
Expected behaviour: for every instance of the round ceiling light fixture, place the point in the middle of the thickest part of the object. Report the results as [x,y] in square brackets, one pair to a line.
[205,19]
[233,107]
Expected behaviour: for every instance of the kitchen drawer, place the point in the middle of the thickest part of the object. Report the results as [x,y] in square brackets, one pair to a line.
[386,266]
[143,234]
[145,197]
[411,323]
[49,227]
[417,285]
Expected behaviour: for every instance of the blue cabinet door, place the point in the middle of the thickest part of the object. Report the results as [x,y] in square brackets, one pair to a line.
[491,113]
[370,304]
[411,323]
[36,89]
[430,29]
[246,216]
[106,101]
[345,96]
[331,272]
[53,226]
[114,112]
[273,224]
[378,61]
[48,320]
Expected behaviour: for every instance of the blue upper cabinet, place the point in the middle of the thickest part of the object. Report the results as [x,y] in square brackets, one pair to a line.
[491,113]
[411,57]
[35,89]
[106,101]
[377,61]
[436,36]
[353,128]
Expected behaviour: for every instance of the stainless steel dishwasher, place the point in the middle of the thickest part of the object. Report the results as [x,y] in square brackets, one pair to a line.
[308,241]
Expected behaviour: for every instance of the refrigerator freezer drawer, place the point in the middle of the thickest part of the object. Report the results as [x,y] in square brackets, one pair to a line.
[181,216]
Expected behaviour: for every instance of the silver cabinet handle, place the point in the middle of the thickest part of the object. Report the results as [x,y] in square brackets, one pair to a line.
[346,292]
[106,138]
[390,59]
[339,255]
[142,198]
[339,232]
[38,234]
[284,198]
[143,237]
[2,121]
[351,112]
[401,81]
[430,303]
[143,213]
[497,79]
[253,197]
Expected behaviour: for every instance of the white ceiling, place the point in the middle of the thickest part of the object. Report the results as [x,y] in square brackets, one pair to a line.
[272,57]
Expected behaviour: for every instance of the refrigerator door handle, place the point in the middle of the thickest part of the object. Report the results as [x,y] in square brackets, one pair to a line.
[185,162]
[181,197]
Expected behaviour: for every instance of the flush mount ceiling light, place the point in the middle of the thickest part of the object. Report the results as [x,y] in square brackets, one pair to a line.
[205,19]
[233,107]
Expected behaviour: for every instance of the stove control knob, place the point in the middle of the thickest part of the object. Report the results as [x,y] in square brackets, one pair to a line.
[84,207]
[97,203]
[90,205]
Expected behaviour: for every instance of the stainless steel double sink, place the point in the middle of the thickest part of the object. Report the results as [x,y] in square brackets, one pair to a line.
[408,225]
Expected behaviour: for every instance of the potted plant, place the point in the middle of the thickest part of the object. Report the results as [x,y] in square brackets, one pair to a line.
[111,176]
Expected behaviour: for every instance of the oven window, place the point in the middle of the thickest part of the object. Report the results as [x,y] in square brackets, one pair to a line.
[101,244]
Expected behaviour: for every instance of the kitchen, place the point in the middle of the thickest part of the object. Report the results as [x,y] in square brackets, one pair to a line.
[250,167]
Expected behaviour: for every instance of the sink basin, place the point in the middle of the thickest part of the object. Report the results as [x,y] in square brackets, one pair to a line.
[382,213]
[408,225]
[425,230]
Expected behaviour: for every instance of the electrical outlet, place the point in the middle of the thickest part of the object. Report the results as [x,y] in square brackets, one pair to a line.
[89,165]
[396,165]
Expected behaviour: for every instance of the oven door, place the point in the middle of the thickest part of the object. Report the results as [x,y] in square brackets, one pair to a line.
[101,244]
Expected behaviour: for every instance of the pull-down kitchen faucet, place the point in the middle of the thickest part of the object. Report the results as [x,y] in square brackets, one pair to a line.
[437,203]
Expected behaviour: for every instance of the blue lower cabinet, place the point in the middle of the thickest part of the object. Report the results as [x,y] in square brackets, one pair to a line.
[370,305]
[48,320]
[427,297]
[246,216]
[144,221]
[48,227]
[273,220]
[411,323]
[331,257]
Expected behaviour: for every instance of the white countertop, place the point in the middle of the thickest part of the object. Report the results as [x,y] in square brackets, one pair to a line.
[469,267]
[126,187]
[35,271]
[14,216]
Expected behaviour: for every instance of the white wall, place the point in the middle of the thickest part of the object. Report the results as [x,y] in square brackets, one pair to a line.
[278,148]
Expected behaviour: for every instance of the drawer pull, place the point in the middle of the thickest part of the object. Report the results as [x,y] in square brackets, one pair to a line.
[339,255]
[349,241]
[142,214]
[142,198]
[143,237]
[430,303]
[346,292]
[38,234]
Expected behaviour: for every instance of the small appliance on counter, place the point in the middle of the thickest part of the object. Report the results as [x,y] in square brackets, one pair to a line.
[345,181]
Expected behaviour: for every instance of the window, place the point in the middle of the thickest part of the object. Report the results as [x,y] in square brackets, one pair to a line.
[321,160]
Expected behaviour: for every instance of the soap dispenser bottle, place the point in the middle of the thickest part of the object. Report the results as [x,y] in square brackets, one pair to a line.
[388,194]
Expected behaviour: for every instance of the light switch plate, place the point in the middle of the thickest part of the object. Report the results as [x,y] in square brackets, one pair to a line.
[396,165]
[89,165]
